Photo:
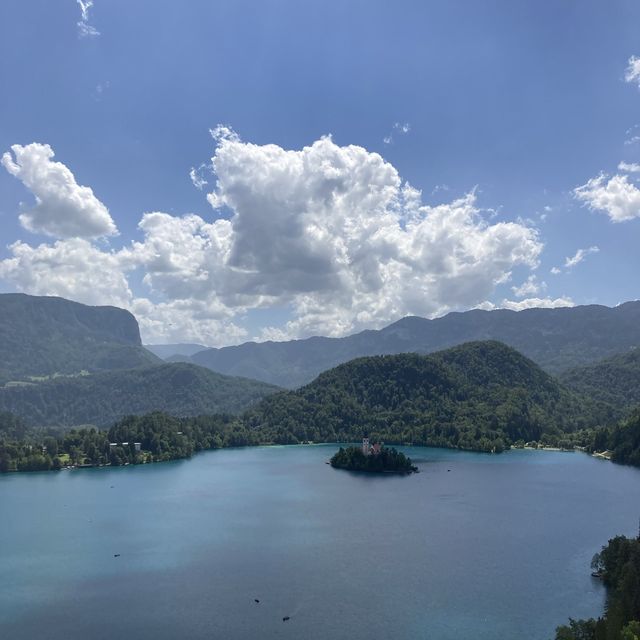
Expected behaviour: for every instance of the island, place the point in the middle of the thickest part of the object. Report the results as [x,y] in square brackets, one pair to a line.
[372,458]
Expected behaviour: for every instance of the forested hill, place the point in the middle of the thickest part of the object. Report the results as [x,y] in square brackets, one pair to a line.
[480,396]
[623,440]
[43,336]
[556,339]
[102,398]
[615,380]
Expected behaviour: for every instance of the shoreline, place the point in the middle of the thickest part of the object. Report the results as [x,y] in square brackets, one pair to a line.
[605,455]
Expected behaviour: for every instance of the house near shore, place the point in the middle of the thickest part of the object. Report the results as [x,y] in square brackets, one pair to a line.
[137,445]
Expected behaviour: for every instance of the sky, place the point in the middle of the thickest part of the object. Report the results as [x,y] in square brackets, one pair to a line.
[275,169]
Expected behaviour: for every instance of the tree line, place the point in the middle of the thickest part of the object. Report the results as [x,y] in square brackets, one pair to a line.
[618,564]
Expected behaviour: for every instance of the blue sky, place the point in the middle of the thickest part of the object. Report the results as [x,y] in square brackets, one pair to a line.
[495,111]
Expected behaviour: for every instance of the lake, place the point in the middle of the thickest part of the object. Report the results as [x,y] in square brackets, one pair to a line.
[475,547]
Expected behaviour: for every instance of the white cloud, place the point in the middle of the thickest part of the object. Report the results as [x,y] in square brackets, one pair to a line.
[616,196]
[632,72]
[85,29]
[579,256]
[532,303]
[63,209]
[197,177]
[78,270]
[555,270]
[183,258]
[190,320]
[73,269]
[335,232]
[332,232]
[627,167]
[401,128]
[530,287]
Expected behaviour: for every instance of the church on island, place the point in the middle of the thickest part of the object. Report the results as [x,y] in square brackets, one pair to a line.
[371,449]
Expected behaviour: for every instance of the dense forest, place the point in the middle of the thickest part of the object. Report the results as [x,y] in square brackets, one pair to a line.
[619,566]
[160,437]
[615,381]
[623,440]
[102,398]
[481,396]
[388,460]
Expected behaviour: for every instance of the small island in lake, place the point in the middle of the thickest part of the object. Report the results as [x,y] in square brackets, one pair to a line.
[372,458]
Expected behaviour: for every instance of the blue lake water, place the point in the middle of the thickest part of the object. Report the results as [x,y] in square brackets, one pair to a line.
[474,547]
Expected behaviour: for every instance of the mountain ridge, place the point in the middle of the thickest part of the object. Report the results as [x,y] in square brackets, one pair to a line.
[556,339]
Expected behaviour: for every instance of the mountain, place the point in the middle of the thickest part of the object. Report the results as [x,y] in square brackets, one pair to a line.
[556,339]
[43,336]
[615,380]
[480,396]
[102,398]
[165,351]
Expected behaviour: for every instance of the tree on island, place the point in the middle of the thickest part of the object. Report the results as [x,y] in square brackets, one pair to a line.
[386,460]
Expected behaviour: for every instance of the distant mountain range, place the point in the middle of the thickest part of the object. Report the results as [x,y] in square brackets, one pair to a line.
[556,339]
[43,336]
[63,363]
[481,396]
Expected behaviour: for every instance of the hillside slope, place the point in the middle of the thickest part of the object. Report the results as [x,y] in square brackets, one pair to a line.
[480,396]
[556,339]
[615,380]
[102,398]
[42,336]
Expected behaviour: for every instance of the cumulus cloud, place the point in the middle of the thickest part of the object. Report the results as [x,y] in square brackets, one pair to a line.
[330,231]
[532,303]
[632,72]
[190,320]
[78,270]
[555,270]
[335,232]
[616,196]
[85,29]
[629,167]
[74,269]
[530,287]
[579,256]
[63,209]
